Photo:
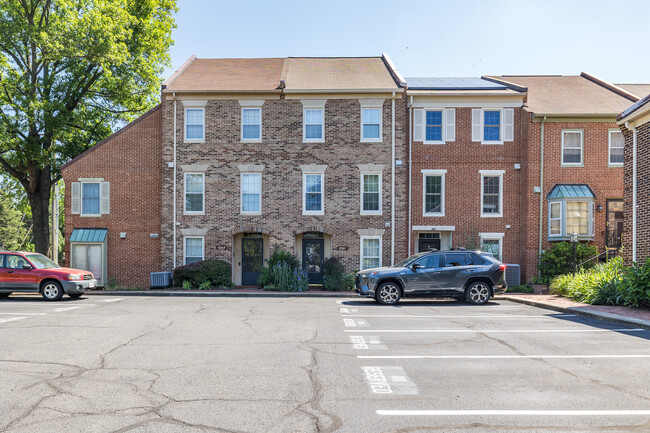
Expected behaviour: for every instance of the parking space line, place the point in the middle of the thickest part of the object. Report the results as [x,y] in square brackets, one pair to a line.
[111,300]
[513,412]
[58,310]
[24,314]
[487,316]
[494,331]
[11,319]
[498,356]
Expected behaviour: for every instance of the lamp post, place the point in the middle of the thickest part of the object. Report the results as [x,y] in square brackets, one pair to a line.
[574,241]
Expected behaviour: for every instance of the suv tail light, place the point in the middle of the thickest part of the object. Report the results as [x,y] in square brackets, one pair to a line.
[502,267]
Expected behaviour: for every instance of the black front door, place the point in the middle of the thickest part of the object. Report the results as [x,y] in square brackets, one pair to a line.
[312,259]
[428,244]
[252,260]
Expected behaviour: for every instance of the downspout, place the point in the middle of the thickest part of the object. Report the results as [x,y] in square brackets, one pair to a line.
[410,172]
[541,191]
[634,188]
[174,188]
[392,175]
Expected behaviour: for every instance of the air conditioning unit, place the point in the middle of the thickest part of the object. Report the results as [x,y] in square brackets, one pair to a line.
[513,275]
[160,280]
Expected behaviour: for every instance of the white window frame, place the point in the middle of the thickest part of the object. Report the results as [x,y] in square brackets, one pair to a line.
[609,147]
[582,149]
[185,211]
[493,173]
[304,193]
[564,235]
[185,238]
[443,121]
[493,237]
[304,124]
[501,132]
[81,195]
[556,235]
[361,191]
[442,174]
[381,251]
[241,193]
[381,124]
[250,140]
[193,105]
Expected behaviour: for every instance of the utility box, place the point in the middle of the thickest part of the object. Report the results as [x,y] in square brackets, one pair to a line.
[513,275]
[160,280]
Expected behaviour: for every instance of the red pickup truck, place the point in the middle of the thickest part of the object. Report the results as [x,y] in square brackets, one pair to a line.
[33,272]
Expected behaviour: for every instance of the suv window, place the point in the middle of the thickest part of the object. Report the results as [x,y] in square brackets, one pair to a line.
[2,260]
[430,261]
[15,262]
[457,259]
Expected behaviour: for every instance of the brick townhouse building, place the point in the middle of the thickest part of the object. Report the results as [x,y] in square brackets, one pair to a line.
[305,154]
[635,125]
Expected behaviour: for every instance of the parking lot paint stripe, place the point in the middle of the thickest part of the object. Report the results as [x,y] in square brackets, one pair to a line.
[111,300]
[58,310]
[24,314]
[513,412]
[487,316]
[498,356]
[493,331]
[11,319]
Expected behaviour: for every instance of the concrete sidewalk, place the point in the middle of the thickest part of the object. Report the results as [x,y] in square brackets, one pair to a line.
[634,317]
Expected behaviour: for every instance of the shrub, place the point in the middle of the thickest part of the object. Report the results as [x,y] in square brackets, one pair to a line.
[634,287]
[334,276]
[266,278]
[559,259]
[597,285]
[523,288]
[214,272]
[288,279]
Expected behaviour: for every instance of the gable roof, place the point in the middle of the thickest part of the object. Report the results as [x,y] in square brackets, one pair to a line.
[639,90]
[640,107]
[291,74]
[571,95]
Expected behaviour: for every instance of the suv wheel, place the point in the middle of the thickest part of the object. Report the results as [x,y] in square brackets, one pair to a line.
[52,291]
[388,293]
[477,293]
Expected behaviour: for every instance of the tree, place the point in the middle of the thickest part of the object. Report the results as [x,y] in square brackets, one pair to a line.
[70,70]
[13,230]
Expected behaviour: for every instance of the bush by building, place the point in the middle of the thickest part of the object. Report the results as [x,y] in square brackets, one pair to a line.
[334,276]
[558,260]
[204,274]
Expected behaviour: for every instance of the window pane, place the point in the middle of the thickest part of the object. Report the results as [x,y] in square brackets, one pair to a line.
[371,183]
[616,156]
[491,125]
[194,123]
[434,118]
[433,133]
[577,218]
[194,183]
[572,140]
[491,133]
[251,131]
[90,199]
[371,115]
[491,246]
[193,250]
[370,131]
[433,194]
[434,184]
[370,192]
[313,182]
[195,131]
[492,118]
[555,210]
[313,202]
[572,156]
[251,183]
[314,117]
[555,227]
[194,117]
[430,261]
[193,202]
[250,202]
[313,131]
[370,252]
[491,194]
[251,116]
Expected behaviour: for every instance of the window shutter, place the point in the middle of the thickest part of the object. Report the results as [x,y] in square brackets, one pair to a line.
[450,124]
[508,124]
[418,124]
[476,124]
[592,220]
[105,198]
[75,198]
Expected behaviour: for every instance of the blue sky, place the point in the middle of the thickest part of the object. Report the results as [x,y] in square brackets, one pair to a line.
[428,38]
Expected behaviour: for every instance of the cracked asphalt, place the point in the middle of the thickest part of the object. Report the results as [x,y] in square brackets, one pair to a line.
[183,364]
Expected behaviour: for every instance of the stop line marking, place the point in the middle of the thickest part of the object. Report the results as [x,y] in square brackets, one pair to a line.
[513,412]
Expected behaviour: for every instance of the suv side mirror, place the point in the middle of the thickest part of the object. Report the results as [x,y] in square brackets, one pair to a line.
[27,266]
[415,266]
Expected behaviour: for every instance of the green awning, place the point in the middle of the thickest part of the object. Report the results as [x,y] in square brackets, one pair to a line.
[88,235]
[568,190]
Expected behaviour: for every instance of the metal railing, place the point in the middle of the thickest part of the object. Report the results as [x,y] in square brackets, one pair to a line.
[613,238]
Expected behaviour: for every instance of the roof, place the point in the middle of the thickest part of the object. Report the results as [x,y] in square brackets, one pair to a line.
[570,95]
[637,106]
[565,190]
[453,83]
[88,235]
[639,90]
[293,73]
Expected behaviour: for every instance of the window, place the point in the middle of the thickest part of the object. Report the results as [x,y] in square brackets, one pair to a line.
[430,261]
[194,123]
[577,217]
[492,193]
[570,216]
[370,252]
[370,193]
[433,126]
[313,127]
[434,192]
[194,193]
[492,125]
[371,124]
[251,124]
[492,243]
[251,193]
[313,193]
[555,219]
[616,145]
[572,148]
[457,259]
[193,249]
[90,199]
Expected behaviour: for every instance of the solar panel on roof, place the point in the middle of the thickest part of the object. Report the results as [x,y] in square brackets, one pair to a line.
[453,83]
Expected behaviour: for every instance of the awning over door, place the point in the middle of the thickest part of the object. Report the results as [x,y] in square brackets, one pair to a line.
[88,235]
[568,190]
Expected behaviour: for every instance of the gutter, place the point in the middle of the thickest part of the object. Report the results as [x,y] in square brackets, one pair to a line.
[174,189]
[392,175]
[410,224]
[541,192]
[634,187]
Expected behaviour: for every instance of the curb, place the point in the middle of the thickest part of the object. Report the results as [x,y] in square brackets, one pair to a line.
[192,293]
[580,311]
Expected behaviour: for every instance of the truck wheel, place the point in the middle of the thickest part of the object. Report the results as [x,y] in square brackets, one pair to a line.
[52,291]
[388,293]
[477,293]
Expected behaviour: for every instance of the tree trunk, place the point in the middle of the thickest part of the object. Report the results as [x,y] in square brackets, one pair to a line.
[38,195]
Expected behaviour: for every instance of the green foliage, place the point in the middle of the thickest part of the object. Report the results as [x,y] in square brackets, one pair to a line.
[213,272]
[13,233]
[334,276]
[266,278]
[599,285]
[70,71]
[205,285]
[288,279]
[634,288]
[523,288]
[187,285]
[559,259]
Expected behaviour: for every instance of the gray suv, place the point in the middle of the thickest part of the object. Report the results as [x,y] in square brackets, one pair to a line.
[461,274]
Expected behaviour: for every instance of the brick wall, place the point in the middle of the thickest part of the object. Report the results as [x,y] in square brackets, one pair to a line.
[282,151]
[131,161]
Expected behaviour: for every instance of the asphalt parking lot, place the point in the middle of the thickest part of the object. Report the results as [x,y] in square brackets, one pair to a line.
[186,364]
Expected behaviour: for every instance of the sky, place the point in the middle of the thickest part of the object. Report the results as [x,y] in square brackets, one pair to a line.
[435,38]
